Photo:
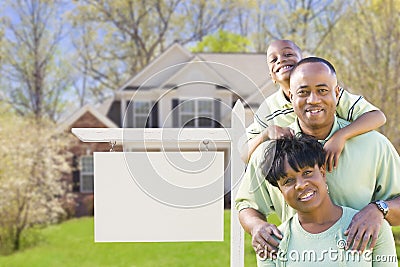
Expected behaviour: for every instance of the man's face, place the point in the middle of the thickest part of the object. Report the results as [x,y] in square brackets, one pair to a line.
[314,92]
[281,57]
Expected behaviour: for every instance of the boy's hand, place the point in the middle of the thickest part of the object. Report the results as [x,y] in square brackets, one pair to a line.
[333,147]
[276,132]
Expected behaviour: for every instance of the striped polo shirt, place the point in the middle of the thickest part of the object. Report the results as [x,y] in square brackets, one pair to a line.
[277,110]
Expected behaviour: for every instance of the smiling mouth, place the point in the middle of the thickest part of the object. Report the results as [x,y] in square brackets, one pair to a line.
[307,196]
[314,111]
[285,68]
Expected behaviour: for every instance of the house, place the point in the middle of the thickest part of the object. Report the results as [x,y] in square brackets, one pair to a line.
[177,89]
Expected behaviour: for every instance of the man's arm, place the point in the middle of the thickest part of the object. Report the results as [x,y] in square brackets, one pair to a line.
[366,224]
[393,216]
[260,230]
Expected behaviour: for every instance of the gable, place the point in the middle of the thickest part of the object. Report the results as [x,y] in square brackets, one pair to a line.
[160,69]
[88,120]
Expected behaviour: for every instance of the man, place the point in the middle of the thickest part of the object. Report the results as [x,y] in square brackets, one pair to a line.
[367,176]
[276,112]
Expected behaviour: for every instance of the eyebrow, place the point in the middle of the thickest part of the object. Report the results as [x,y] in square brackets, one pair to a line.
[286,47]
[318,85]
[322,85]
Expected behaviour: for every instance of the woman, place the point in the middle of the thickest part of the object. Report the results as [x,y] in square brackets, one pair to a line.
[315,235]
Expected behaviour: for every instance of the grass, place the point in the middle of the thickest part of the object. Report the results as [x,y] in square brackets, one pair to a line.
[71,244]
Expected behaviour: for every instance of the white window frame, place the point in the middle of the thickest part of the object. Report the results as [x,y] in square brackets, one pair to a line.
[133,114]
[146,115]
[196,114]
[84,173]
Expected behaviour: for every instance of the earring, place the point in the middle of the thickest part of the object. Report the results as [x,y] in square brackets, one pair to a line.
[327,188]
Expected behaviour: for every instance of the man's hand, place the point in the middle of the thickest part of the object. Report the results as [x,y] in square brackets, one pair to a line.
[262,232]
[364,226]
[263,241]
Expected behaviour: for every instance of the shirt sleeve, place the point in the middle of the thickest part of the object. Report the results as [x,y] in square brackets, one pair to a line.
[253,191]
[388,171]
[384,252]
[350,106]
[259,124]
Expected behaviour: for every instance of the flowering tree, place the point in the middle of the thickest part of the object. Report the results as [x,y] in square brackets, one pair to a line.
[31,187]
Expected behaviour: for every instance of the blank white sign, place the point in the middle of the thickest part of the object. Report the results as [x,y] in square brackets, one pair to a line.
[158,196]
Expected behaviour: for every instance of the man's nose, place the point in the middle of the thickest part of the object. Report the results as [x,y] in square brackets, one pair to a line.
[313,98]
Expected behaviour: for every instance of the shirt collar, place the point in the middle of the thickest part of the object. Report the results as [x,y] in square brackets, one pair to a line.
[335,127]
[282,101]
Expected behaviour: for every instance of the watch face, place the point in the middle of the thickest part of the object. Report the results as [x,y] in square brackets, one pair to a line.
[383,204]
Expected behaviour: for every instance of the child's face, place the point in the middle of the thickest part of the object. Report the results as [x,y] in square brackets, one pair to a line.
[304,190]
[282,55]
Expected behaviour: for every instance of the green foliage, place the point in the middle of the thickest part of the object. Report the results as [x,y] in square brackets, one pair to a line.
[223,41]
[364,48]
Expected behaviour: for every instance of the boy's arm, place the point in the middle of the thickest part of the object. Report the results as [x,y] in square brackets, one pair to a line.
[366,122]
[271,132]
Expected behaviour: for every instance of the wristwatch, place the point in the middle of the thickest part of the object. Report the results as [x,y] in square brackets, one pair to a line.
[382,206]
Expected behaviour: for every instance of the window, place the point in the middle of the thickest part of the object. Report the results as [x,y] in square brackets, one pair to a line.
[197,113]
[141,111]
[87,174]
[140,114]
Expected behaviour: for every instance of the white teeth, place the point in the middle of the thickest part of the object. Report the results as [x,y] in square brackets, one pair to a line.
[285,68]
[308,194]
[314,111]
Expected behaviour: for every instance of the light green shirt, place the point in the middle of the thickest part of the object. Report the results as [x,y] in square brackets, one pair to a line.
[301,248]
[277,110]
[368,170]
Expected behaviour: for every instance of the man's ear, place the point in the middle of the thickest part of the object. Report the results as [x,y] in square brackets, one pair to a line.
[290,95]
[337,92]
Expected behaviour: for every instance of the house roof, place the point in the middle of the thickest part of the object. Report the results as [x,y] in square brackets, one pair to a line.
[80,112]
[251,65]
[244,73]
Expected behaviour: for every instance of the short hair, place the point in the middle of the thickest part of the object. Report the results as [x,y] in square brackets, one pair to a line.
[296,47]
[313,60]
[300,151]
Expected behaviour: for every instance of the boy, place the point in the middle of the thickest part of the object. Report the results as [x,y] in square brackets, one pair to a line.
[276,112]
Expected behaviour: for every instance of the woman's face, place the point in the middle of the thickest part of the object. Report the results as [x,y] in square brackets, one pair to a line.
[304,190]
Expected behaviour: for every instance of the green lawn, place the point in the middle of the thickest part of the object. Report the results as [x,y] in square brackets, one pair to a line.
[71,244]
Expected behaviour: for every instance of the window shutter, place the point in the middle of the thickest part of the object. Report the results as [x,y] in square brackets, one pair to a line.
[175,113]
[75,181]
[129,115]
[153,116]
[217,113]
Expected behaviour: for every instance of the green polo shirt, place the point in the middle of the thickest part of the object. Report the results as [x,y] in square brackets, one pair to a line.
[301,248]
[368,170]
[277,110]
